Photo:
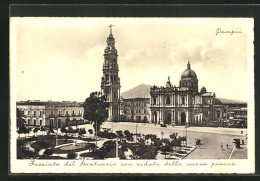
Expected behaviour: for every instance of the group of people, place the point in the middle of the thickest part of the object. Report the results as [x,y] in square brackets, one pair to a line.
[227,145]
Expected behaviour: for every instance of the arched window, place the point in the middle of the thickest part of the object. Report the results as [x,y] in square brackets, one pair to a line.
[154,100]
[183,100]
[168,100]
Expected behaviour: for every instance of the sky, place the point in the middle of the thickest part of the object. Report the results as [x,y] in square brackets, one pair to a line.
[61,58]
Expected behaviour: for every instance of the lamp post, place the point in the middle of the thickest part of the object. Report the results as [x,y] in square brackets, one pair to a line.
[116,149]
[186,126]
[136,133]
[98,93]
[96,133]
[56,132]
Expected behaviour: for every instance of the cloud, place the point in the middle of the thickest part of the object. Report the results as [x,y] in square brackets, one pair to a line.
[212,53]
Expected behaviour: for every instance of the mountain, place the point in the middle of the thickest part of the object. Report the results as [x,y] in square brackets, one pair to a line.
[143,90]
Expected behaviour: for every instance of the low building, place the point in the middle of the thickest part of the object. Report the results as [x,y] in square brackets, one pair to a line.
[236,116]
[51,114]
[135,109]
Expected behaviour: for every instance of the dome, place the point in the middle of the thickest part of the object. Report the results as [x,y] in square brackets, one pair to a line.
[188,73]
[203,90]
[218,101]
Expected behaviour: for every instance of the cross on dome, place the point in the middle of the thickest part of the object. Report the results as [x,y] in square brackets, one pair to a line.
[188,65]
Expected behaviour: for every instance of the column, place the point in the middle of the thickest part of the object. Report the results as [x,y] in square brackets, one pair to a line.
[174,117]
[187,117]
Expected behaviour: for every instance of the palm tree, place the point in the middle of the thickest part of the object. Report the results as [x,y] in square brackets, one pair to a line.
[19,120]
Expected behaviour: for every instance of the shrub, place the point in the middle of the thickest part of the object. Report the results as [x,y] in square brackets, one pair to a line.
[182,152]
[108,145]
[90,131]
[48,152]
[63,129]
[43,143]
[50,130]
[119,133]
[173,136]
[22,153]
[150,136]
[146,152]
[127,133]
[111,136]
[42,129]
[103,134]
[71,155]
[71,130]
[82,131]
[157,142]
[97,154]
[35,130]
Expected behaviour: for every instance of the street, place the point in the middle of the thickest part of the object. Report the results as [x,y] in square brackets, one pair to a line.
[211,138]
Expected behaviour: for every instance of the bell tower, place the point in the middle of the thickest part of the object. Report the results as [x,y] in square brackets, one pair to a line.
[110,82]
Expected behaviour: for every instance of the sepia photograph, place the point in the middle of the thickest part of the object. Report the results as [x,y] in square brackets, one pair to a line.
[132,95]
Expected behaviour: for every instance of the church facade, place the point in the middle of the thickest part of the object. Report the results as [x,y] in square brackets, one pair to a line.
[184,105]
[110,82]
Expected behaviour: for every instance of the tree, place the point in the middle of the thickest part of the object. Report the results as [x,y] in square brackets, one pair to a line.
[19,120]
[23,130]
[109,145]
[35,130]
[72,155]
[95,109]
[50,130]
[67,121]
[90,132]
[43,129]
[48,152]
[128,135]
[120,134]
[145,120]
[63,129]
[82,131]
[173,136]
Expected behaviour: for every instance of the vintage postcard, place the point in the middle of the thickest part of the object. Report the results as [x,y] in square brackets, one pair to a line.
[132,95]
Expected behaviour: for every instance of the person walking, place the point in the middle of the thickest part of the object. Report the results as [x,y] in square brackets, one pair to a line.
[227,146]
[221,146]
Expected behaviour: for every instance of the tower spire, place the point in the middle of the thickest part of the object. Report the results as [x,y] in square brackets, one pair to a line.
[110,26]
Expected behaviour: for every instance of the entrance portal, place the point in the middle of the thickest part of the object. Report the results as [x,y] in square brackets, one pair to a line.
[168,118]
[183,118]
[155,117]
